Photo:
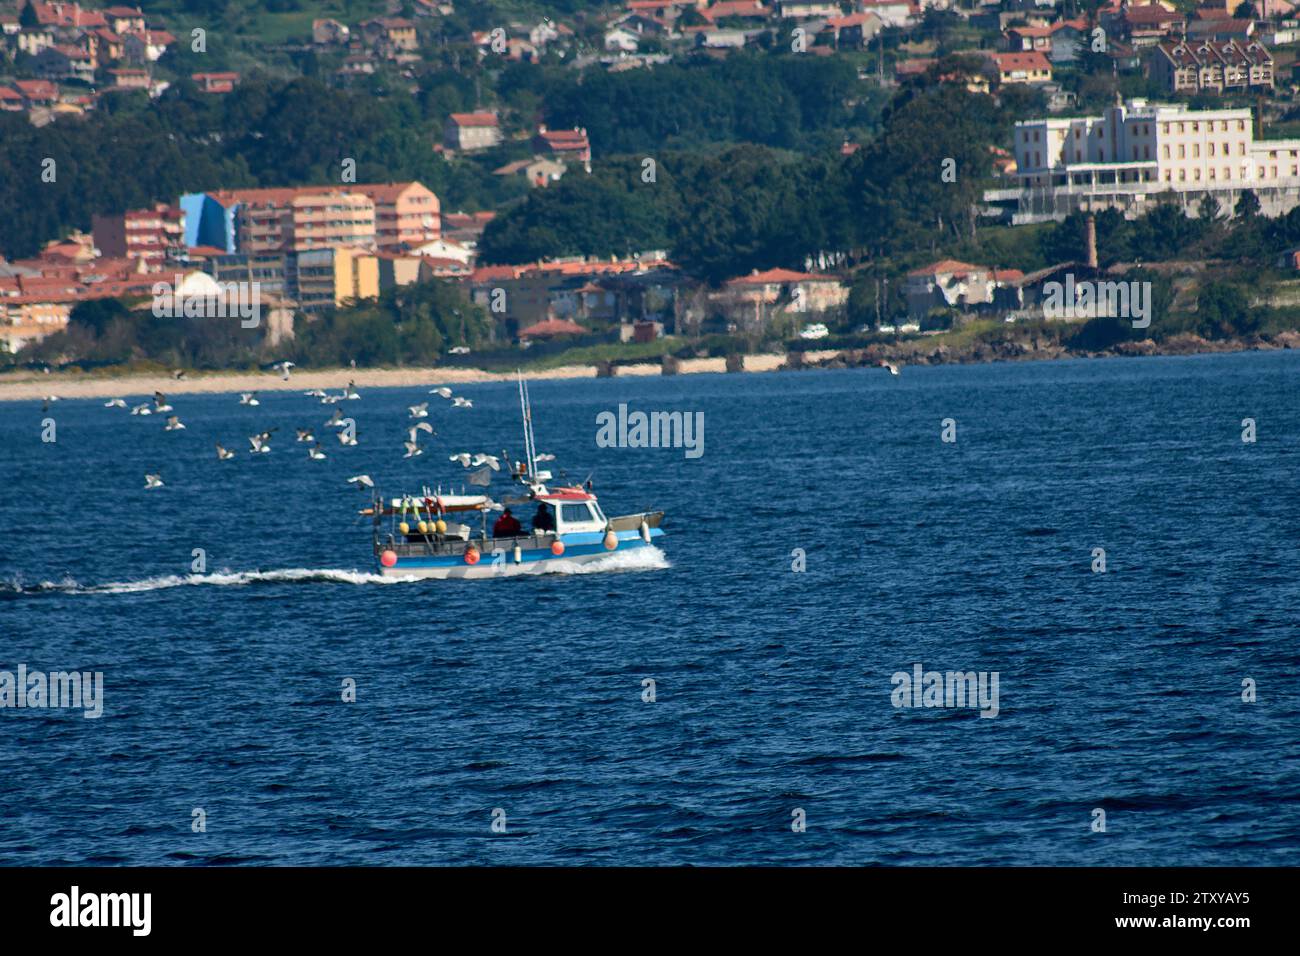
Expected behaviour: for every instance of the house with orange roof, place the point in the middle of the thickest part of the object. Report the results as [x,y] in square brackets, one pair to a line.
[10,100]
[146,46]
[215,82]
[564,144]
[781,299]
[105,45]
[64,62]
[123,19]
[36,92]
[391,36]
[1029,68]
[470,131]
[949,284]
[851,32]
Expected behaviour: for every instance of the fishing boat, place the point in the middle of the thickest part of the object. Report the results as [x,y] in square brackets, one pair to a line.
[433,535]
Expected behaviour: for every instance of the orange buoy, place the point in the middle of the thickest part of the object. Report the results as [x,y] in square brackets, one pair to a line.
[557,548]
[388,558]
[471,556]
[611,540]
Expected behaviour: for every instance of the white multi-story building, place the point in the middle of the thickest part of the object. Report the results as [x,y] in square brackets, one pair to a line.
[1136,151]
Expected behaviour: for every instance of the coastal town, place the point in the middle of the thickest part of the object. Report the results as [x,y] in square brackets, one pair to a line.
[1105,118]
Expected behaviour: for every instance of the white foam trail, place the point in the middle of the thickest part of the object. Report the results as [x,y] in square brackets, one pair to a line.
[637,559]
[217,579]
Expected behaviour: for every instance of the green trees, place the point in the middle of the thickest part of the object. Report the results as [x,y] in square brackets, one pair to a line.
[411,324]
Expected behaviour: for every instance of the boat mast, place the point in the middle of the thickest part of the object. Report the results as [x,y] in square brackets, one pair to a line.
[530,449]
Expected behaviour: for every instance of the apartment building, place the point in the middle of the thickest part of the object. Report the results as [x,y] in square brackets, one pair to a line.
[313,279]
[1211,66]
[150,235]
[271,220]
[406,214]
[1135,151]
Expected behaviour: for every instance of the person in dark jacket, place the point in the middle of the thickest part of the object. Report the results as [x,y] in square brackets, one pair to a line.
[543,520]
[507,526]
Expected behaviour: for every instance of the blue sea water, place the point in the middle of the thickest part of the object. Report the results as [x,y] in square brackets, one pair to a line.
[1120,691]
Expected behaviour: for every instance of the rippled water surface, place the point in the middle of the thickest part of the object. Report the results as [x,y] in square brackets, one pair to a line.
[1120,691]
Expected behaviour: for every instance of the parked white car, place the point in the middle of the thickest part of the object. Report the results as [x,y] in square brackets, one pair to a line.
[815,331]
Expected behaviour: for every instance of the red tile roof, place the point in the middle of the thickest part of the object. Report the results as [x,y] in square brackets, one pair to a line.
[550,328]
[475,119]
[947,267]
[774,276]
[1031,60]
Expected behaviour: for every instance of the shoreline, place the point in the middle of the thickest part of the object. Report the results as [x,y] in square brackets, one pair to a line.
[28,385]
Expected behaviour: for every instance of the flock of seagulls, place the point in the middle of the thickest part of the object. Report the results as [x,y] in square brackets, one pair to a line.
[260,443]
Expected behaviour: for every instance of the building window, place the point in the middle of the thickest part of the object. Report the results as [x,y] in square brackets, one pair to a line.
[1165,150]
[1241,125]
[1182,175]
[1211,149]
[1196,151]
[1196,174]
[1182,151]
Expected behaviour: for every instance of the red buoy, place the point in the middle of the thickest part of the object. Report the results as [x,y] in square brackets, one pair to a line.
[557,548]
[388,558]
[471,556]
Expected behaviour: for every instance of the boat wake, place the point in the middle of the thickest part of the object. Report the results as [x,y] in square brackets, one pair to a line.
[639,559]
[217,579]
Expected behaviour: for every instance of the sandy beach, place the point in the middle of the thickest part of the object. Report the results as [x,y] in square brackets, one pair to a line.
[26,386]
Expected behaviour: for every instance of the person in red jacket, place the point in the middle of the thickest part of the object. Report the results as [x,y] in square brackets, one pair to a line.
[507,526]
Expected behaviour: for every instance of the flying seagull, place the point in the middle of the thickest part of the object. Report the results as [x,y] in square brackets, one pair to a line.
[361,481]
[174,424]
[283,368]
[115,403]
[482,459]
[346,438]
[459,402]
[419,411]
[160,403]
[463,458]
[893,368]
[248,398]
[418,427]
[304,434]
[442,391]
[315,454]
[412,449]
[336,420]
[351,391]
[152,481]
[179,374]
[141,409]
[224,454]
[544,458]
[260,443]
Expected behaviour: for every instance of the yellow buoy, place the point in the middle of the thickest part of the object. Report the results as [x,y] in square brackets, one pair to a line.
[442,526]
[423,526]
[404,528]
